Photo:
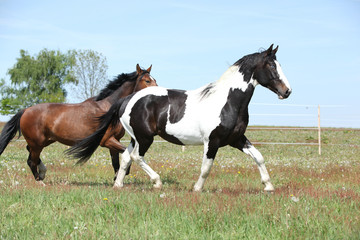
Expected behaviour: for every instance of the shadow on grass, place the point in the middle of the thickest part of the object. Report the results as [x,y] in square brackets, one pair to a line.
[91,184]
[129,182]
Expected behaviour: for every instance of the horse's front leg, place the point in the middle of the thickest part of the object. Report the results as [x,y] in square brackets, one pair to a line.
[245,145]
[115,161]
[208,160]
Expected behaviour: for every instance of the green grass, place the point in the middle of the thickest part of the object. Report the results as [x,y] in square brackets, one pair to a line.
[316,197]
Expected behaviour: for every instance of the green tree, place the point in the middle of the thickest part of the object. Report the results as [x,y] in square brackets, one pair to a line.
[36,80]
[90,69]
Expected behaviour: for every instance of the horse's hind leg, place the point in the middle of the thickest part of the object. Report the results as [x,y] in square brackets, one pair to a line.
[138,156]
[116,163]
[124,165]
[115,147]
[245,145]
[36,164]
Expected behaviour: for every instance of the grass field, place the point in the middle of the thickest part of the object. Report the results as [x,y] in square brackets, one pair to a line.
[316,197]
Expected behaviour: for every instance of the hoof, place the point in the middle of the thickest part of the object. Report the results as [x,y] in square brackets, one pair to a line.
[269,188]
[118,186]
[41,176]
[158,185]
[41,183]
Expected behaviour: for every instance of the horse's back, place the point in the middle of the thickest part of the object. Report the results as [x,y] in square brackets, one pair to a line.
[48,122]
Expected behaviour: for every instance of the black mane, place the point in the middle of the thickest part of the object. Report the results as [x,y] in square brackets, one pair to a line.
[115,84]
[207,91]
[248,63]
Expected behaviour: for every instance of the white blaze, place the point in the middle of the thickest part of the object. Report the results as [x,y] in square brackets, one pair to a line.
[282,75]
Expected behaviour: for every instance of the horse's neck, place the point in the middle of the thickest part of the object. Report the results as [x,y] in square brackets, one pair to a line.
[126,89]
[230,80]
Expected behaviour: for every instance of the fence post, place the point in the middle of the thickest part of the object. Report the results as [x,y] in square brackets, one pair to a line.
[319,130]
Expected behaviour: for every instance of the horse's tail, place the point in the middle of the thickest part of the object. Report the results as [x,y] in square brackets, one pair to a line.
[10,129]
[87,146]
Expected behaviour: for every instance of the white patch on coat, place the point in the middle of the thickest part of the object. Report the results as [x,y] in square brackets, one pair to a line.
[125,118]
[282,75]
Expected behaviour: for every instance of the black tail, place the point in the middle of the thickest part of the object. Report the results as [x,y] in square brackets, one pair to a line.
[9,130]
[87,146]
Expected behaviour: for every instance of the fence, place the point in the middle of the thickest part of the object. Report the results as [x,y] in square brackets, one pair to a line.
[318,128]
[346,113]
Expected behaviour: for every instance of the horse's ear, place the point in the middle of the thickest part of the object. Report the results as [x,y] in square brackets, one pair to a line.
[268,52]
[138,69]
[276,49]
[149,69]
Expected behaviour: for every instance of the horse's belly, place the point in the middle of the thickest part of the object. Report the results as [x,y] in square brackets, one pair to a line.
[190,131]
[189,138]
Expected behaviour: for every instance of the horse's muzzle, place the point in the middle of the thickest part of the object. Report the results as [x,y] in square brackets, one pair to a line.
[285,95]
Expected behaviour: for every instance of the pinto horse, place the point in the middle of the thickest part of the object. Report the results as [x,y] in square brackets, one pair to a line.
[46,123]
[214,115]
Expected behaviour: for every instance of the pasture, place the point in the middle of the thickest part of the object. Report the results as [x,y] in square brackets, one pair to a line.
[316,197]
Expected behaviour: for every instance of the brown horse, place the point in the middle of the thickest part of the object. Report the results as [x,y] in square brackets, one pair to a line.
[46,123]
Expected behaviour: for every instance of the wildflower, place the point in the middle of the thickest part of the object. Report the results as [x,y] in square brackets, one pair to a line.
[105,199]
[294,199]
[162,195]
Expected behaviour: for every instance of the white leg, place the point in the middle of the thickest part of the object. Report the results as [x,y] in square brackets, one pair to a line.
[205,170]
[125,163]
[256,155]
[140,160]
[42,170]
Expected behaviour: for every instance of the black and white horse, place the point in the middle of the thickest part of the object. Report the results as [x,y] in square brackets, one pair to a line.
[214,115]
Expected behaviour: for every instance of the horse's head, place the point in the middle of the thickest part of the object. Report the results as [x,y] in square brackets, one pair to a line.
[269,74]
[144,79]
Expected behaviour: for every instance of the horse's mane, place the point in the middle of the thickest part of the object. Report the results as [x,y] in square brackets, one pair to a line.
[112,86]
[247,63]
[246,66]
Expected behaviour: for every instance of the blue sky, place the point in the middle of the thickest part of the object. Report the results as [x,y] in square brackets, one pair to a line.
[191,43]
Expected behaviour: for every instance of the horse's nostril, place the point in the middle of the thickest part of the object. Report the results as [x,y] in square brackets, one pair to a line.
[288,92]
